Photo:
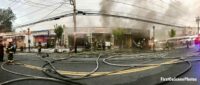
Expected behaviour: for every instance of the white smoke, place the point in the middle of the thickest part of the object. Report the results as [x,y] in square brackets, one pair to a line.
[174,12]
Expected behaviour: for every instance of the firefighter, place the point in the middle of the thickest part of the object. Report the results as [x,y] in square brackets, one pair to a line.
[10,52]
[39,47]
[1,51]
[187,43]
[104,45]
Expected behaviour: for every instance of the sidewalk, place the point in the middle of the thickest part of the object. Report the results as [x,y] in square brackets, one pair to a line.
[49,50]
[123,54]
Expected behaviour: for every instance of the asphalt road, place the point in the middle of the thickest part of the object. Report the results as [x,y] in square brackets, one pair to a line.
[78,64]
[193,73]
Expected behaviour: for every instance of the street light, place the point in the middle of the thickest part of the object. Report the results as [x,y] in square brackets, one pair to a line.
[197,20]
[73,2]
[154,38]
[48,33]
[29,41]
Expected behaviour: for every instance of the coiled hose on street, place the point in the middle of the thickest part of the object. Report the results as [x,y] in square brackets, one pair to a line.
[123,65]
[46,71]
[64,79]
[33,77]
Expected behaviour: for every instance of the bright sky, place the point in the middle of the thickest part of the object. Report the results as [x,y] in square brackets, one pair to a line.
[27,11]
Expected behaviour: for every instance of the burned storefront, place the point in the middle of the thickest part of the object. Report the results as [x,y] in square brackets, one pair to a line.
[93,39]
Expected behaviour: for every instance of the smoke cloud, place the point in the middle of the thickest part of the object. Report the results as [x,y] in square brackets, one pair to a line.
[176,12]
[106,7]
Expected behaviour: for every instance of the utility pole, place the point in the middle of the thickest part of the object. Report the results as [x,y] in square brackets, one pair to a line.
[29,41]
[73,2]
[154,38]
[48,33]
[197,20]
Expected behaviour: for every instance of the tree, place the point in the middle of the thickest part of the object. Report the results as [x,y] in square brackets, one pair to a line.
[59,31]
[172,33]
[6,19]
[119,35]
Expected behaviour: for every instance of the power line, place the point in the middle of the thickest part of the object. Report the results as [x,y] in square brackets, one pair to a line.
[12,3]
[52,11]
[16,7]
[61,13]
[61,5]
[25,3]
[133,5]
[40,9]
[174,6]
[28,1]
[35,4]
[131,14]
[102,14]
[161,6]
[41,4]
[35,11]
[135,16]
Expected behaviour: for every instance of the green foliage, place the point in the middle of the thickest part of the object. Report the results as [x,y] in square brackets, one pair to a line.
[58,30]
[6,19]
[118,33]
[172,33]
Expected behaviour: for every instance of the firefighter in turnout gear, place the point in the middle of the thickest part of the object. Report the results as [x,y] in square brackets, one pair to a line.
[10,51]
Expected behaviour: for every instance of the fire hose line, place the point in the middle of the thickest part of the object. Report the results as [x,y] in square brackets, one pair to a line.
[63,77]
[31,77]
[66,77]
[179,74]
[83,77]
[164,82]
[184,60]
[105,60]
[27,77]
[131,56]
[48,62]
[16,73]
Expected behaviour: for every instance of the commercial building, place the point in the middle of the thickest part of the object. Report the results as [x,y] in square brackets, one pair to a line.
[95,35]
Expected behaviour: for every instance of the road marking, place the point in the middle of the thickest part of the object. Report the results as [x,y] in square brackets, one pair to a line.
[132,70]
[32,67]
